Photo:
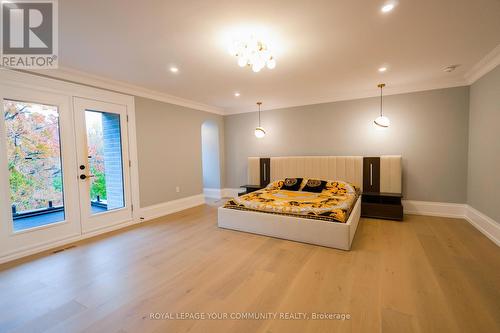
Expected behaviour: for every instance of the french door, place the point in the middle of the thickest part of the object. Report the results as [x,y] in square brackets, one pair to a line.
[103,163]
[64,168]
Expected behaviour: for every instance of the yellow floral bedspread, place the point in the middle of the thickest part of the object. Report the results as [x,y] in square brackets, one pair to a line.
[334,203]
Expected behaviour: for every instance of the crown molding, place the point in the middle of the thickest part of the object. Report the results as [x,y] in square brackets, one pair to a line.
[355,95]
[485,65]
[80,77]
[96,81]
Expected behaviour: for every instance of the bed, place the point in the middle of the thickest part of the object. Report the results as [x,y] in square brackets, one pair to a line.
[332,201]
[299,216]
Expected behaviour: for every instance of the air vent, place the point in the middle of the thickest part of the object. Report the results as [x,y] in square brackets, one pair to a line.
[64,249]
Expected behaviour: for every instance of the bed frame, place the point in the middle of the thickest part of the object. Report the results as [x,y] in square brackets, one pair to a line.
[317,232]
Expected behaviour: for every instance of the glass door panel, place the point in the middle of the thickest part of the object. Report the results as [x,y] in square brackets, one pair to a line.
[104,151]
[103,157]
[34,164]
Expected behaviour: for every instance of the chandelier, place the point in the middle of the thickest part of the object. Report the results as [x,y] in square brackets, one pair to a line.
[252,52]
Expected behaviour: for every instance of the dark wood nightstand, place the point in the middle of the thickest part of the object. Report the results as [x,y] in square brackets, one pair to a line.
[382,205]
[250,189]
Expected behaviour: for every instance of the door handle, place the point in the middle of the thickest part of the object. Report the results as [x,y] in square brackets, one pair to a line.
[83,177]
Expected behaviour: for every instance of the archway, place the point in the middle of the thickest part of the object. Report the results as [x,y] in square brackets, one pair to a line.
[210,159]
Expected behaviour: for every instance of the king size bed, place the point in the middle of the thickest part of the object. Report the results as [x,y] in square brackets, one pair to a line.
[314,200]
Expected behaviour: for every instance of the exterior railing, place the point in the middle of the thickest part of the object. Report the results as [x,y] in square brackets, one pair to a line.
[48,210]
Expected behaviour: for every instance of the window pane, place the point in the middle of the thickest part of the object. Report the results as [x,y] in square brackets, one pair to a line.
[34,163]
[105,161]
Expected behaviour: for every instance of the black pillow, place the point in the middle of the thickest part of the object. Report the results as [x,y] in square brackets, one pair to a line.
[314,185]
[292,184]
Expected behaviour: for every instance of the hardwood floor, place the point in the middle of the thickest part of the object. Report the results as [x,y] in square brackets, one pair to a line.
[426,274]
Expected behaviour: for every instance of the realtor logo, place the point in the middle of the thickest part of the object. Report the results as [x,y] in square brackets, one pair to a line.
[29,34]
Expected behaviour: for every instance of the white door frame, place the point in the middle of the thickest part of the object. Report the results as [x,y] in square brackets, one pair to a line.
[89,221]
[44,86]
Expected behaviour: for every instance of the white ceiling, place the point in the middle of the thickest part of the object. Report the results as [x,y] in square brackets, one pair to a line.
[326,50]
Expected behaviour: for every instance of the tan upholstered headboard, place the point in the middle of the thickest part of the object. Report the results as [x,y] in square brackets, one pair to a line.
[347,168]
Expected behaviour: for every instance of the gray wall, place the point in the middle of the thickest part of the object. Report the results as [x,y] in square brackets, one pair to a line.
[169,150]
[429,129]
[483,189]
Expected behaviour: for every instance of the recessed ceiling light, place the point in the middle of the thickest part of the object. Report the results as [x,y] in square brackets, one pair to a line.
[387,7]
[382,69]
[236,94]
[174,69]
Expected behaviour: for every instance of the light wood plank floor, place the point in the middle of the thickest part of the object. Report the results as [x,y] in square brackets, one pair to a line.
[427,274]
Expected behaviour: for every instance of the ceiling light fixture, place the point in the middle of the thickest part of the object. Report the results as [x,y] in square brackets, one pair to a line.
[387,7]
[382,69]
[260,132]
[252,52]
[382,121]
[236,94]
[174,69]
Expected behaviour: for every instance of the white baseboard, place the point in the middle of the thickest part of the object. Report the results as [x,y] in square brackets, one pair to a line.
[215,193]
[486,225]
[145,213]
[230,192]
[61,242]
[443,209]
[489,227]
[169,207]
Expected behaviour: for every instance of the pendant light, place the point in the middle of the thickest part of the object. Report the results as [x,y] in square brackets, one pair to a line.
[259,131]
[382,121]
